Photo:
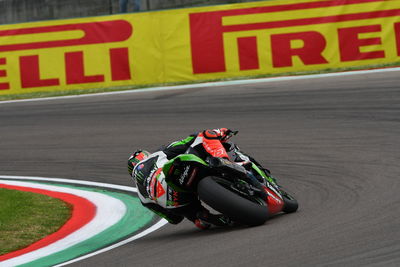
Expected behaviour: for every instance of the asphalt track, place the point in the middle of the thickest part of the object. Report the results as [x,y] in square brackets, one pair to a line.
[333,142]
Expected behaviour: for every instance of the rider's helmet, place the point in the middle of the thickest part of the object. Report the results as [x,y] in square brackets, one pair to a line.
[135,158]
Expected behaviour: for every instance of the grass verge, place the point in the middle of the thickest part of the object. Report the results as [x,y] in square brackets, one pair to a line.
[28,217]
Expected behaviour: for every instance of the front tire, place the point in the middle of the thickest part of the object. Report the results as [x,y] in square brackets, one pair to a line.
[234,206]
[290,203]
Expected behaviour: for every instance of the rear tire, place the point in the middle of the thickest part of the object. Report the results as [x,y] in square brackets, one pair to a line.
[234,206]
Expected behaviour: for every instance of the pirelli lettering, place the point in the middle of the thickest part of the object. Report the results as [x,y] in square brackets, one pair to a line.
[216,42]
[29,50]
[315,33]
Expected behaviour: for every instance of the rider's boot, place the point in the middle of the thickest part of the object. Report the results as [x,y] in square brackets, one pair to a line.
[203,225]
[213,219]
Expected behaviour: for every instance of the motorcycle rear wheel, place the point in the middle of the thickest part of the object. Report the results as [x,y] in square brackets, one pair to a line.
[225,201]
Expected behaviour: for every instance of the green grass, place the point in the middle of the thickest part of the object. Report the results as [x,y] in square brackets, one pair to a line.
[124,88]
[28,217]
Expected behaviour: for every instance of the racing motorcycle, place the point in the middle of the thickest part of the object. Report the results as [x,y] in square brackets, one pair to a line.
[247,194]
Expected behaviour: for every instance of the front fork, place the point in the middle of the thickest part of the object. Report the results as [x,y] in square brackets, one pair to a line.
[270,189]
[257,186]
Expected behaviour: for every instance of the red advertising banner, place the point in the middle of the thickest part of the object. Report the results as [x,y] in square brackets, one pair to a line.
[240,40]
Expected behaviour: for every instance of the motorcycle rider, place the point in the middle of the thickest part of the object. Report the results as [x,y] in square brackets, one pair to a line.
[174,206]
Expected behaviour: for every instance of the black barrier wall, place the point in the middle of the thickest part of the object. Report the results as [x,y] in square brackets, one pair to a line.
[15,11]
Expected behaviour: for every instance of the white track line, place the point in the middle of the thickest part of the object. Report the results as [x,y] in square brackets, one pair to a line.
[109,211]
[212,84]
[70,181]
[126,241]
[95,184]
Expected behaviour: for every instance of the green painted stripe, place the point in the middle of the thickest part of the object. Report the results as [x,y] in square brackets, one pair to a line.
[135,218]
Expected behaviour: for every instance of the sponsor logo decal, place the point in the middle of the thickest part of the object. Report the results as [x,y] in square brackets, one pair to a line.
[326,31]
[248,39]
[184,175]
[72,41]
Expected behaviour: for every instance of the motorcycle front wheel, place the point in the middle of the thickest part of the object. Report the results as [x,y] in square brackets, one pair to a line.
[230,203]
[290,203]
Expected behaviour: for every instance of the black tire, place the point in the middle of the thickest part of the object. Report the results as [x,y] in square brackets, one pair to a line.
[290,204]
[234,206]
